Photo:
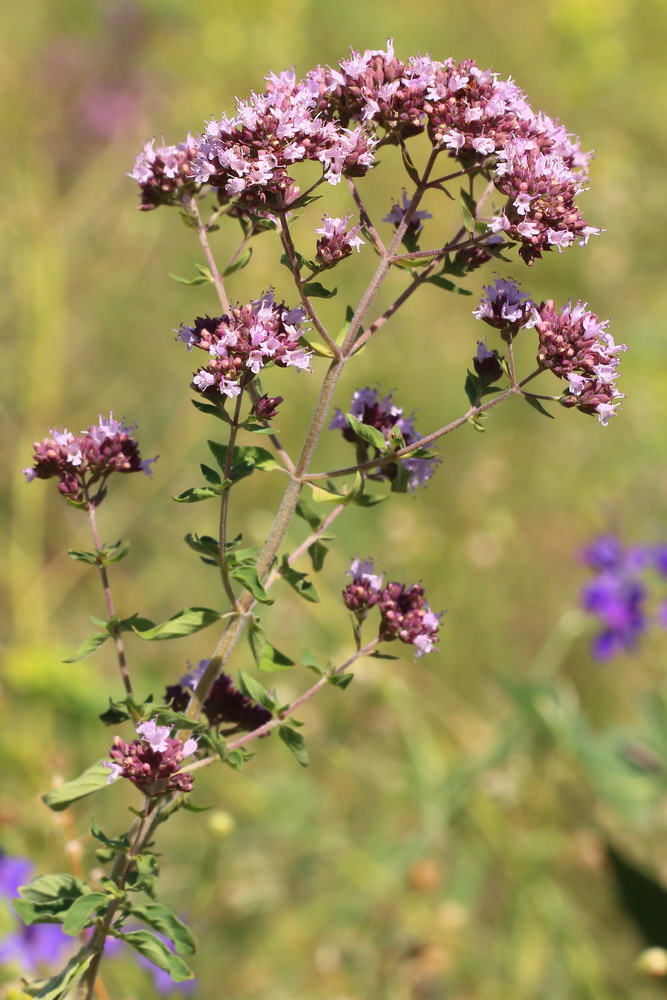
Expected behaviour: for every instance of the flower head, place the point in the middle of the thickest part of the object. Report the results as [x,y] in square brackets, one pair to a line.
[575,346]
[504,306]
[225,707]
[371,408]
[153,762]
[397,213]
[165,174]
[336,241]
[81,462]
[240,344]
[405,613]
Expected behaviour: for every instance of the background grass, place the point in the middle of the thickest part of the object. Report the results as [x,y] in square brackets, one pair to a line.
[447,840]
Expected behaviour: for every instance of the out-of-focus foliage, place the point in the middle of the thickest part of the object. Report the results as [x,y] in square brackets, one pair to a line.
[448,838]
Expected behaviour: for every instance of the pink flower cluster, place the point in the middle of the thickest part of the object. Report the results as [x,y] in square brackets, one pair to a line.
[573,344]
[405,613]
[240,344]
[337,117]
[336,241]
[382,413]
[249,156]
[83,461]
[153,762]
[165,174]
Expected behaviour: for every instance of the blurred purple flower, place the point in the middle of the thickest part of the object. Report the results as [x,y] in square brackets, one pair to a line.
[617,595]
[36,947]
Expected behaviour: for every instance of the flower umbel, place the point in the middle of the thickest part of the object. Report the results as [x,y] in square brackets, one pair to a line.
[81,462]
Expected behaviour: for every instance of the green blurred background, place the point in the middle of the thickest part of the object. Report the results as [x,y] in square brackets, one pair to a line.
[448,838]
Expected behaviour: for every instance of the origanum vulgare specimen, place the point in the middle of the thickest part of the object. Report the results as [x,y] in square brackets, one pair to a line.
[453,132]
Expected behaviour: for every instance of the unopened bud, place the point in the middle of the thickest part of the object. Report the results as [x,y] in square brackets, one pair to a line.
[266,407]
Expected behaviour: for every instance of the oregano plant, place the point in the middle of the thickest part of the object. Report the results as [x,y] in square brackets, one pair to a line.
[503,182]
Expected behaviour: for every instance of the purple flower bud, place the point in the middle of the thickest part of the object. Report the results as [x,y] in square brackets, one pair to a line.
[487,364]
[505,306]
[266,407]
[398,211]
[165,174]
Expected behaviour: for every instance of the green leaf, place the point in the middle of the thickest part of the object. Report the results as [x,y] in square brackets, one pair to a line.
[310,661]
[186,622]
[58,987]
[239,264]
[91,780]
[88,557]
[212,410]
[473,389]
[210,475]
[367,433]
[299,582]
[341,680]
[162,920]
[536,405]
[315,290]
[255,691]
[81,912]
[244,460]
[145,874]
[119,844]
[48,898]
[157,952]
[256,638]
[330,494]
[272,660]
[188,220]
[201,279]
[468,210]
[246,574]
[204,544]
[198,493]
[349,316]
[448,286]
[296,743]
[177,720]
[309,514]
[89,646]
[401,481]
[317,552]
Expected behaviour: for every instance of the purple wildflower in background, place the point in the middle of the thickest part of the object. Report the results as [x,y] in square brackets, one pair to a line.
[225,707]
[381,413]
[153,762]
[33,948]
[405,612]
[616,596]
[81,461]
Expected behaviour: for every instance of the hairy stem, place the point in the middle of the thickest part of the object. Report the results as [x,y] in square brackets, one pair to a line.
[224,504]
[246,602]
[203,239]
[116,633]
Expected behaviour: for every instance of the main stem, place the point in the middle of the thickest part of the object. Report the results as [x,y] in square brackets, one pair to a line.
[246,602]
[106,587]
